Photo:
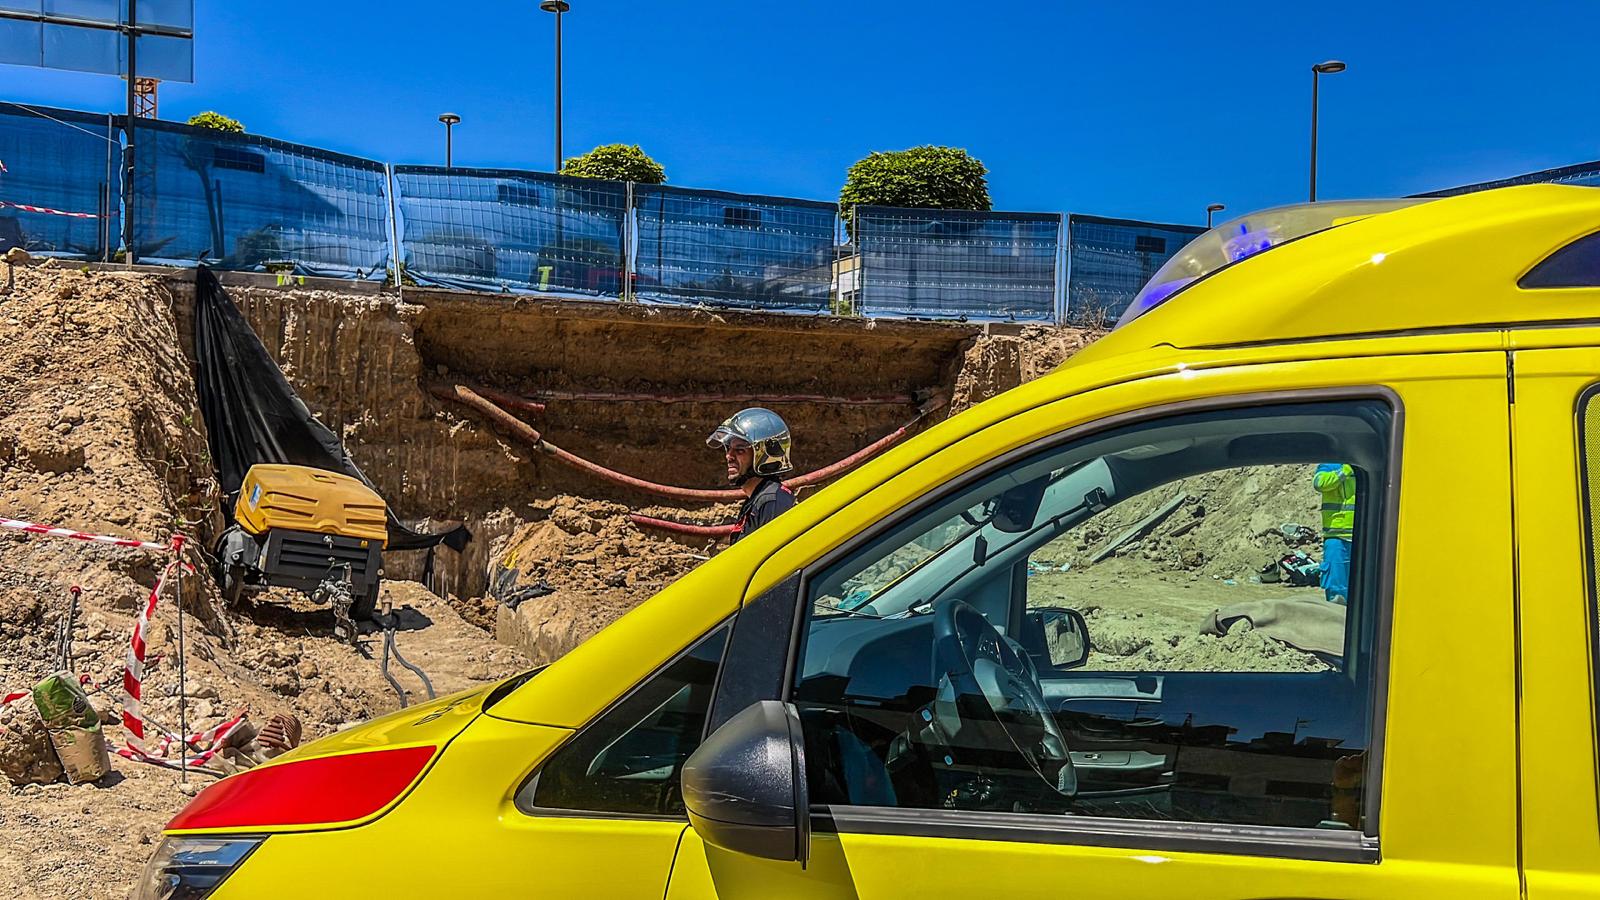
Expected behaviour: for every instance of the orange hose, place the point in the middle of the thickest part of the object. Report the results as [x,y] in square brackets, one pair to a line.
[465,395]
[710,531]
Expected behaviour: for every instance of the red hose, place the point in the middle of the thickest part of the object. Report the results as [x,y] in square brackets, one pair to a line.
[709,531]
[867,452]
[526,432]
[466,395]
[515,401]
[607,396]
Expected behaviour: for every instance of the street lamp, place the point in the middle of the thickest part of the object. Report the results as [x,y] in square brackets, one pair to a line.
[450,120]
[1330,67]
[558,7]
[1213,208]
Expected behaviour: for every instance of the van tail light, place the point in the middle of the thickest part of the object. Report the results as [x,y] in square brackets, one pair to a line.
[325,790]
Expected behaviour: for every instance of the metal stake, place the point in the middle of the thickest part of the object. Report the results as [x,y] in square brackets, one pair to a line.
[183,668]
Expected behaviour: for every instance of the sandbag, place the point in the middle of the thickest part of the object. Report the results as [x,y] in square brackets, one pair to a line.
[62,703]
[73,727]
[82,752]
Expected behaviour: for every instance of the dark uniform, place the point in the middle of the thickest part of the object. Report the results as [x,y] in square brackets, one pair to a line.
[770,499]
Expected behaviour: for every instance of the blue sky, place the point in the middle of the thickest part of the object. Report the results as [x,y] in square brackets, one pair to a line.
[1140,109]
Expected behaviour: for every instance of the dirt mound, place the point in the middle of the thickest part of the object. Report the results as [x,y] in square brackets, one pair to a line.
[994,363]
[579,565]
[1229,524]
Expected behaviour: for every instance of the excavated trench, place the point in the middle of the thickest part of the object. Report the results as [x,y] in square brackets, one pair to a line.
[632,388]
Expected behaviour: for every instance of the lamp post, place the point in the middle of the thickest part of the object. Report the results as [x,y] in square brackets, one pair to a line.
[558,7]
[1213,208]
[1330,67]
[450,120]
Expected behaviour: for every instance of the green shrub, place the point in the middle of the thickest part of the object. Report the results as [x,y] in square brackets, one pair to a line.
[919,178]
[216,122]
[616,162]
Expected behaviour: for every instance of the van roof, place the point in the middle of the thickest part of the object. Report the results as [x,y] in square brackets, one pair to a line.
[1444,265]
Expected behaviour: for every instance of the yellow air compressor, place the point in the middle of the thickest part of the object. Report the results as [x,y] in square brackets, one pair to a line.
[316,531]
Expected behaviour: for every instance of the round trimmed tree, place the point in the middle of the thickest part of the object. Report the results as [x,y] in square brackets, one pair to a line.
[217,122]
[919,178]
[616,162]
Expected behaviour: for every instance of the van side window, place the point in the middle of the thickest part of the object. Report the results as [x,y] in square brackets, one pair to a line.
[1173,621]
[628,761]
[1575,265]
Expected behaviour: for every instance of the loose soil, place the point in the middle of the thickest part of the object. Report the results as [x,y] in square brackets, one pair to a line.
[98,431]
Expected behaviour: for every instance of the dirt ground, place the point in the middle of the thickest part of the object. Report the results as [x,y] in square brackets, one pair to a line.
[98,431]
[1146,602]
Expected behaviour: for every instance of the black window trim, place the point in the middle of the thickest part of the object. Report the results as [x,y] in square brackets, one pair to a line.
[529,785]
[1311,844]
[1591,589]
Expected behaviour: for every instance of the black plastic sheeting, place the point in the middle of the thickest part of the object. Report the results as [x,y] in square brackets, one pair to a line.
[253,416]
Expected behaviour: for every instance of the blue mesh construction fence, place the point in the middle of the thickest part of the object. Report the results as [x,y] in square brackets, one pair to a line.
[732,249]
[510,230]
[957,264]
[1109,260]
[59,191]
[1583,174]
[239,201]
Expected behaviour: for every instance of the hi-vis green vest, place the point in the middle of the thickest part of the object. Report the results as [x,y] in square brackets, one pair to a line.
[1337,484]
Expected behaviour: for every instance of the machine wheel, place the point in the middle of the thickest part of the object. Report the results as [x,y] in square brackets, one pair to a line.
[365,607]
[232,584]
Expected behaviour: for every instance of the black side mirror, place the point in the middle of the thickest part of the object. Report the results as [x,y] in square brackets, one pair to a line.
[1057,637]
[745,787]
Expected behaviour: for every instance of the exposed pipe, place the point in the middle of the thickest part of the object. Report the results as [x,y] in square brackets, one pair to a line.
[707,531]
[865,453]
[513,400]
[526,432]
[463,394]
[610,396]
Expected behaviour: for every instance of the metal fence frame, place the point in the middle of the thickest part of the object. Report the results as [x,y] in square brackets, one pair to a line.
[63,210]
[967,241]
[843,263]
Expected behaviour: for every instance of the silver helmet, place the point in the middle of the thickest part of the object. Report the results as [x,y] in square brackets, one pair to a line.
[764,432]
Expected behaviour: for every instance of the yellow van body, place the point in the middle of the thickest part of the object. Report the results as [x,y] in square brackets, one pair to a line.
[1488,767]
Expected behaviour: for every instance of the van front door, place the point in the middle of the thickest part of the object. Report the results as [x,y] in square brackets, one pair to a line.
[1226,735]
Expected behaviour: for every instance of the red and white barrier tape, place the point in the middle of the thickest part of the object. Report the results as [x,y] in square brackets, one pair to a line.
[53,531]
[133,672]
[214,738]
[48,211]
[133,720]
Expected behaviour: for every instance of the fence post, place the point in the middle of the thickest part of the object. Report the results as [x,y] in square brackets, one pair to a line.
[1063,267]
[394,232]
[112,146]
[861,261]
[630,229]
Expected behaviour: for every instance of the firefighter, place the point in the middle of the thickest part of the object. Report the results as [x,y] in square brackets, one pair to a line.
[755,443]
[1337,485]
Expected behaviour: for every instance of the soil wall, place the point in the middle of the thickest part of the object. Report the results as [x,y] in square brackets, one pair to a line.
[362,360]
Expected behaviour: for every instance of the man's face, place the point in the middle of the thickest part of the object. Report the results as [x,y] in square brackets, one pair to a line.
[739,456]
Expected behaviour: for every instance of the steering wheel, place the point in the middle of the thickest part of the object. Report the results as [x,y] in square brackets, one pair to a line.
[990,707]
